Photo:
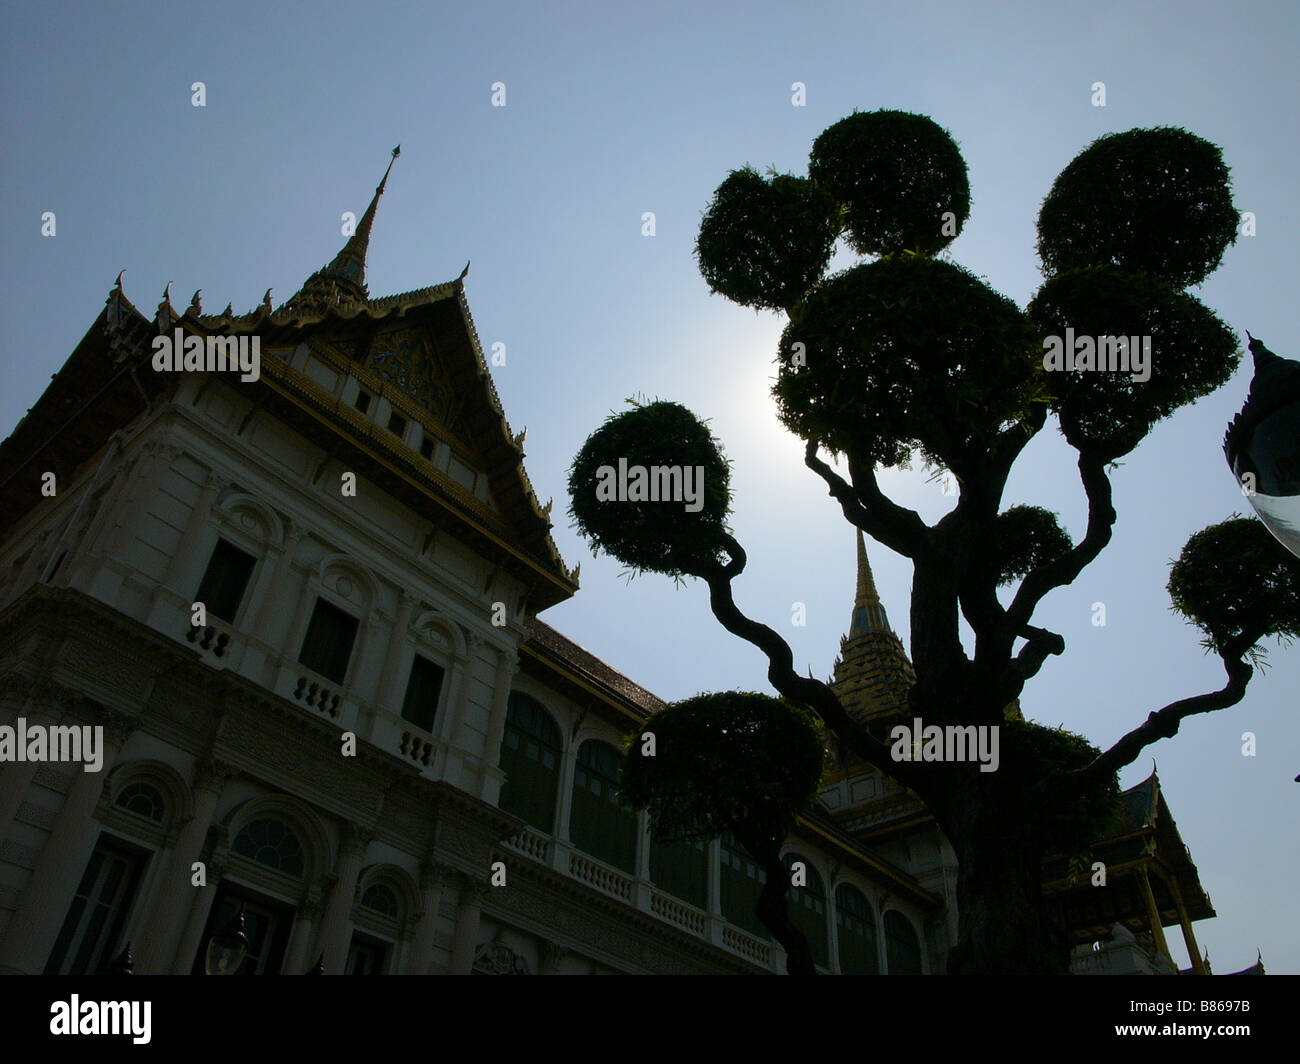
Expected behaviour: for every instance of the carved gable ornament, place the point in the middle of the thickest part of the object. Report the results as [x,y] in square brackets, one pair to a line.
[496,958]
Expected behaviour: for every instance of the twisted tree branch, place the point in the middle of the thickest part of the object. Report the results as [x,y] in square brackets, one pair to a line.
[1062,571]
[1161,724]
[804,690]
[868,508]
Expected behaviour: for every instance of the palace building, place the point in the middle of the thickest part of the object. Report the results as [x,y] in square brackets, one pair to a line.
[303,606]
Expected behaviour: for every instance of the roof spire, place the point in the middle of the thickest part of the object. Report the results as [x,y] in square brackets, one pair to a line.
[868,611]
[343,281]
[872,675]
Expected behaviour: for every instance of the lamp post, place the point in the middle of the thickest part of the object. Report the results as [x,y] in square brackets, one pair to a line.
[1262,444]
[227,947]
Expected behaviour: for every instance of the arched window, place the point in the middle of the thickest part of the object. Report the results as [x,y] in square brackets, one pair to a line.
[681,868]
[742,881]
[855,929]
[599,823]
[380,899]
[271,843]
[807,906]
[530,758]
[902,950]
[143,800]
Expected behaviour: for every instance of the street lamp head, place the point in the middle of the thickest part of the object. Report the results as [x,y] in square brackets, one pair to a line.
[1262,444]
[227,948]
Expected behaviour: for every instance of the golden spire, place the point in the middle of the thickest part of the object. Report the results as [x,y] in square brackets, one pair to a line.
[868,611]
[343,281]
[872,676]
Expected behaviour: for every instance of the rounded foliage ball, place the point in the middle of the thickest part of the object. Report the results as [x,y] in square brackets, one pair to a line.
[1031,751]
[1108,411]
[722,761]
[1025,537]
[1234,580]
[651,487]
[763,242]
[906,352]
[900,178]
[1154,201]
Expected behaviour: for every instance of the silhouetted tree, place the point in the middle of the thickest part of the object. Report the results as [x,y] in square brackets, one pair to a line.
[733,762]
[911,355]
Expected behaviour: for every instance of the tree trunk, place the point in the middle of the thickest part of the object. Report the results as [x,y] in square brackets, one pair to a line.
[772,903]
[1004,924]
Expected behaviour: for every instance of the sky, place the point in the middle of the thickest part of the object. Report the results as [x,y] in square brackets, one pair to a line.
[611,111]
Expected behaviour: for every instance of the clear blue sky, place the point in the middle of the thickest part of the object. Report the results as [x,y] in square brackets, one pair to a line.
[612,111]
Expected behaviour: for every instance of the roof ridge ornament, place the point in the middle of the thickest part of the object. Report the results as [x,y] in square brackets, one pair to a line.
[342,283]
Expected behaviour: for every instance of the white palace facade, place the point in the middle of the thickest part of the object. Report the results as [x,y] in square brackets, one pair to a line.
[370,727]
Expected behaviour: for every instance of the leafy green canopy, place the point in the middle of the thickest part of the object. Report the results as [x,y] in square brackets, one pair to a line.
[655,536]
[1192,352]
[764,242]
[1155,201]
[896,175]
[1030,752]
[1026,537]
[730,761]
[1233,580]
[906,352]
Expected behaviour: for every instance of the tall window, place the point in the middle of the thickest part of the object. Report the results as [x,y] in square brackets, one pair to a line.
[742,882]
[422,690]
[98,911]
[222,588]
[902,950]
[855,928]
[328,644]
[681,868]
[807,905]
[599,823]
[530,758]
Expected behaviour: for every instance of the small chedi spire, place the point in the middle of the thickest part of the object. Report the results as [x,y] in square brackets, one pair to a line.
[873,675]
[343,282]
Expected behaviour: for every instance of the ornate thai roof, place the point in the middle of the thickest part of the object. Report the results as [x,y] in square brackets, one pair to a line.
[419,348]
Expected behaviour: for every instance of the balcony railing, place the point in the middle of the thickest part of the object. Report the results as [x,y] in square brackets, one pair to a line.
[600,876]
[673,911]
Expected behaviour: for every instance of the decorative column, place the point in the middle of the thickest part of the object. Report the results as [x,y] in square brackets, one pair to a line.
[713,901]
[882,949]
[336,929]
[166,923]
[507,667]
[641,862]
[32,929]
[562,847]
[296,960]
[832,928]
[1153,915]
[449,723]
[1189,939]
[391,680]
[306,602]
[468,911]
[183,565]
[272,604]
[200,909]
[426,927]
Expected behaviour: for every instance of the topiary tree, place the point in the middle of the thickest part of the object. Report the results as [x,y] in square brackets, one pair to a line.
[733,762]
[907,355]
